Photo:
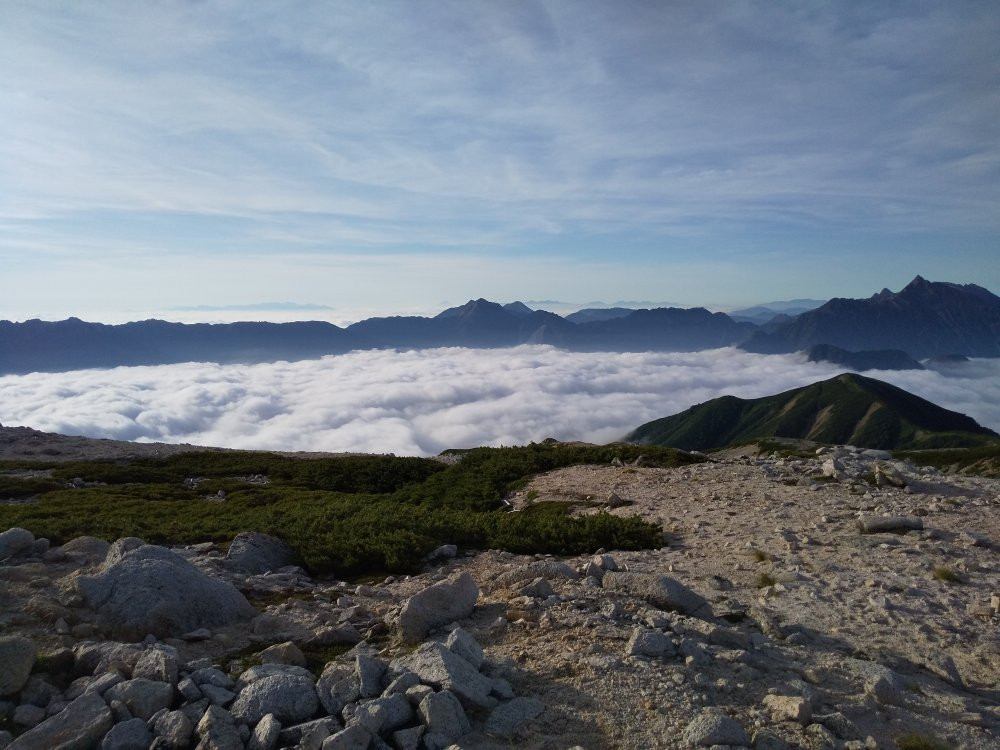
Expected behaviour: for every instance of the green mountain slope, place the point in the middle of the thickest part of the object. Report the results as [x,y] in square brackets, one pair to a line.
[848,409]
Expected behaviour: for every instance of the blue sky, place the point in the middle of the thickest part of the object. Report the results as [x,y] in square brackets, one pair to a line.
[403,156]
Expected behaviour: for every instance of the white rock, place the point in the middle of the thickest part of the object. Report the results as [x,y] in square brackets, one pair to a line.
[444,602]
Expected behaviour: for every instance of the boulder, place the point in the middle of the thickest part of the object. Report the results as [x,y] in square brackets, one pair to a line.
[15,541]
[439,667]
[462,643]
[291,698]
[444,602]
[79,726]
[101,658]
[654,643]
[86,549]
[337,686]
[17,655]
[443,714]
[142,697]
[265,734]
[157,663]
[354,737]
[128,735]
[508,717]
[788,708]
[149,589]
[218,730]
[256,553]
[384,714]
[712,727]
[660,591]
[283,653]
[175,729]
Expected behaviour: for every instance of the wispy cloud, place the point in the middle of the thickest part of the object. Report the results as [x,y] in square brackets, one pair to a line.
[422,402]
[654,131]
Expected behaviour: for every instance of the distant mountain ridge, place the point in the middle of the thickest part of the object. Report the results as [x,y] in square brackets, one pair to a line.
[848,409]
[925,319]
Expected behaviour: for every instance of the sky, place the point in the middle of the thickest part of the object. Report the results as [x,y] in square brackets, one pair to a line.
[382,157]
[422,402]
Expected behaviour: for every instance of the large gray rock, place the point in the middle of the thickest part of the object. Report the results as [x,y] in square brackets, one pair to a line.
[218,731]
[508,717]
[157,663]
[443,669]
[261,671]
[265,734]
[149,589]
[79,726]
[644,642]
[99,658]
[142,697]
[354,737]
[291,698]
[548,569]
[384,714]
[15,541]
[444,602]
[443,714]
[88,549]
[128,735]
[338,686]
[660,591]
[256,553]
[17,657]
[175,728]
[712,727]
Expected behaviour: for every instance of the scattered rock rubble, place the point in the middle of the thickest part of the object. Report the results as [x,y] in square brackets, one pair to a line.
[836,601]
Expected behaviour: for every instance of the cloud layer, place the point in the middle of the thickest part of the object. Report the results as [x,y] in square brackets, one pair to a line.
[421,402]
[700,145]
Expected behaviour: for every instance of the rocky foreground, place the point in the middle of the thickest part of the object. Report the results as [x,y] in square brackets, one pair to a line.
[838,601]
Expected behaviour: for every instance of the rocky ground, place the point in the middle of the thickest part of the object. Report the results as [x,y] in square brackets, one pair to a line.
[840,600]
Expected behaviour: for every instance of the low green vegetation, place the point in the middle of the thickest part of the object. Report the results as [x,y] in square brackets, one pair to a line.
[344,515]
[914,741]
[984,460]
[946,575]
[765,579]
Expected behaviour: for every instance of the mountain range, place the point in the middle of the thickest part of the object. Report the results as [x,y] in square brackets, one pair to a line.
[925,319]
[848,409]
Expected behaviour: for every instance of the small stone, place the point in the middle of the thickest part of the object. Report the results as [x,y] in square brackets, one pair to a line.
[788,708]
[712,727]
[283,653]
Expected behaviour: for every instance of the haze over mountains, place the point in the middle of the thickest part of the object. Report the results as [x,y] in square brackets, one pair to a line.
[925,319]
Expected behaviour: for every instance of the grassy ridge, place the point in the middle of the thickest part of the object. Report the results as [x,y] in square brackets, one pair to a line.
[848,409]
[346,515]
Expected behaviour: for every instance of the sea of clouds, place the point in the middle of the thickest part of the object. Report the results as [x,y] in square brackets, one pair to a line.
[421,402]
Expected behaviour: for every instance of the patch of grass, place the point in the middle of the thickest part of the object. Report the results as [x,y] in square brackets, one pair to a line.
[945,574]
[318,658]
[765,579]
[347,515]
[914,741]
[760,555]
